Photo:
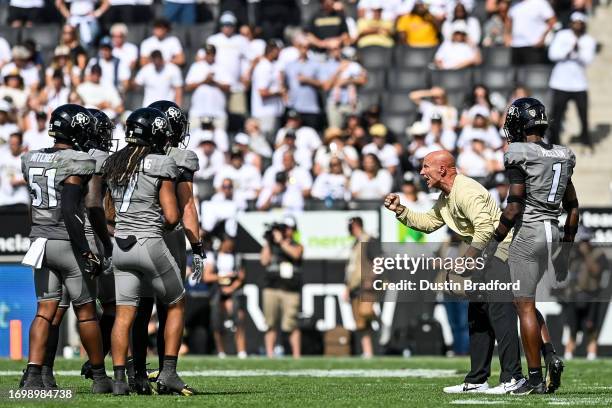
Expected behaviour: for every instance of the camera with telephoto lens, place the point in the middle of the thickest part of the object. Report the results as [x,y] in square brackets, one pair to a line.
[270,228]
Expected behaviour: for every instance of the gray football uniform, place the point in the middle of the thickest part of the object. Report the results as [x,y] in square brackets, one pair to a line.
[187,163]
[45,172]
[548,171]
[146,261]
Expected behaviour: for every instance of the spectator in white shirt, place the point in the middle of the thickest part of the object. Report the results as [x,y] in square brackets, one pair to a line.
[371,183]
[232,49]
[114,73]
[13,188]
[303,157]
[207,129]
[125,51]
[438,136]
[385,152]
[242,143]
[458,52]
[256,46]
[245,177]
[479,128]
[306,137]
[23,66]
[333,183]
[8,125]
[335,146]
[55,93]
[501,189]
[297,176]
[38,138]
[161,80]
[219,214]
[418,147]
[84,15]
[460,14]
[478,161]
[438,105]
[530,23]
[210,85]
[572,50]
[267,90]
[14,90]
[257,140]
[281,193]
[161,40]
[210,159]
[93,94]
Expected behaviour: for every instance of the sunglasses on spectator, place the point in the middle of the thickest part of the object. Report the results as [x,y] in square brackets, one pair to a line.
[227,187]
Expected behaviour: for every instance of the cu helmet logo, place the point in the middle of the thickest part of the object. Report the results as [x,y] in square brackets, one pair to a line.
[158,124]
[173,113]
[80,119]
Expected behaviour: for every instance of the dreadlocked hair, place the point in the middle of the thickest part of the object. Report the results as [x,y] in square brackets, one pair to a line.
[121,166]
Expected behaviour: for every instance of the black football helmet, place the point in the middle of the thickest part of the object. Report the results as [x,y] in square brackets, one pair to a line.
[522,115]
[148,127]
[102,138]
[72,124]
[176,117]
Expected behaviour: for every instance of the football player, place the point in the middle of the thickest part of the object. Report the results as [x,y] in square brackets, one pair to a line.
[540,177]
[141,180]
[187,163]
[57,179]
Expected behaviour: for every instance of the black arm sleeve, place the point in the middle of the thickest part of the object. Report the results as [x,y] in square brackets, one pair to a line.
[71,196]
[515,175]
[184,175]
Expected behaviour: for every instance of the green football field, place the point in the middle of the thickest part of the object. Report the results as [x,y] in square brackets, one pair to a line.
[325,382]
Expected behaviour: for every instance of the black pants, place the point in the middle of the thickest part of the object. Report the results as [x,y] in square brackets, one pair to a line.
[560,100]
[490,321]
[529,56]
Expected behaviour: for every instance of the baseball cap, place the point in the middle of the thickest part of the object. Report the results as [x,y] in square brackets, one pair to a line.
[479,110]
[4,106]
[418,128]
[293,114]
[376,4]
[207,137]
[206,121]
[436,117]
[348,53]
[106,42]
[290,222]
[459,26]
[332,133]
[228,18]
[242,139]
[378,130]
[61,51]
[20,52]
[578,16]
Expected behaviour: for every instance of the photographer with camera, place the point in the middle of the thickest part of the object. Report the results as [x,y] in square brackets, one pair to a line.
[282,256]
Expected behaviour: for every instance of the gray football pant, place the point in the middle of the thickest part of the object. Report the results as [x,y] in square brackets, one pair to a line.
[62,273]
[147,263]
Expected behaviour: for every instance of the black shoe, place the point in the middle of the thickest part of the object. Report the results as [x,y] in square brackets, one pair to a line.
[48,378]
[141,385]
[22,380]
[32,382]
[120,387]
[86,370]
[102,386]
[172,384]
[554,369]
[528,388]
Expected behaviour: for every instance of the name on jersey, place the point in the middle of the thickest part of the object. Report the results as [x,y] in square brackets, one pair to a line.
[558,154]
[43,157]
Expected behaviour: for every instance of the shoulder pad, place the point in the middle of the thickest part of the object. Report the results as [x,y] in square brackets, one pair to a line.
[100,157]
[516,155]
[75,163]
[185,159]
[160,165]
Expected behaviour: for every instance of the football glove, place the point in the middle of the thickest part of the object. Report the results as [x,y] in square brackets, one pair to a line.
[107,265]
[197,263]
[489,252]
[92,264]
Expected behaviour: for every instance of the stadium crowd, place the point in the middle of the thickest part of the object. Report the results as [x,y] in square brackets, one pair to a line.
[296,105]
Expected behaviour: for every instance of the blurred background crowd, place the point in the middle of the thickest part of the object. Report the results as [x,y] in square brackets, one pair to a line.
[297,104]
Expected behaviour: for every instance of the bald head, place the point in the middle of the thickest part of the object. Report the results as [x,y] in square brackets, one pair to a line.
[439,170]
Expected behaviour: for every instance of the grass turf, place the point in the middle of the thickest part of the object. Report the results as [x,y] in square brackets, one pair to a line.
[584,384]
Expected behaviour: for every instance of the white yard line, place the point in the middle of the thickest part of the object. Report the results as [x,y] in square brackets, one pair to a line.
[348,373]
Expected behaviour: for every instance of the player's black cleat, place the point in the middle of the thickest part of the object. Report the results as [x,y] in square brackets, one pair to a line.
[554,369]
[528,388]
[22,380]
[31,381]
[172,384]
[48,378]
[120,387]
[141,385]
[86,370]
[102,386]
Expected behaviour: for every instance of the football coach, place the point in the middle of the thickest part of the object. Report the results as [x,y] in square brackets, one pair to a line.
[467,208]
